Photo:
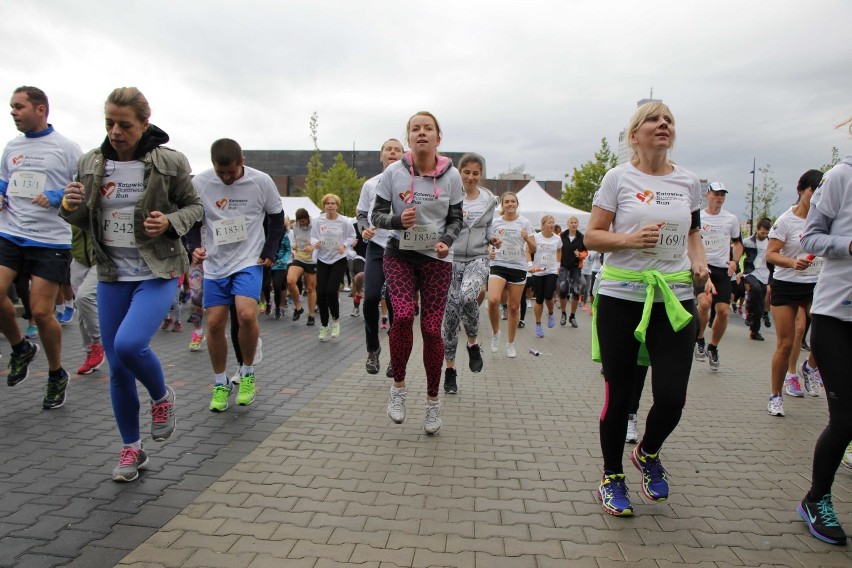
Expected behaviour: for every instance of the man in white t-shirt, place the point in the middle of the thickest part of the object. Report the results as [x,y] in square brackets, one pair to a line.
[756,277]
[236,199]
[34,170]
[720,231]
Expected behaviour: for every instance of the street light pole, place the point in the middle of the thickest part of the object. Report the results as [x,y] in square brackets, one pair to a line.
[753,181]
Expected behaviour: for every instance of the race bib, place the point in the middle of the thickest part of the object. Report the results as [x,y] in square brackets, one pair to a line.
[546,260]
[233,230]
[671,245]
[814,268]
[512,252]
[118,228]
[26,184]
[419,237]
[716,243]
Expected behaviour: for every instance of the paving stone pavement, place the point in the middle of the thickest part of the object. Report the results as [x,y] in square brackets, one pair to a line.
[321,477]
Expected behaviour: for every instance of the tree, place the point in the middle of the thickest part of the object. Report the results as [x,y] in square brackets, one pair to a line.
[586,179]
[343,181]
[313,183]
[765,194]
[835,159]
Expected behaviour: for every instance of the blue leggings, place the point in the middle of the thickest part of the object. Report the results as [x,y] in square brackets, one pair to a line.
[130,314]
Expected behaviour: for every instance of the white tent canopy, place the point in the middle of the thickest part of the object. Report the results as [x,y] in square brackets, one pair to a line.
[536,203]
[290,204]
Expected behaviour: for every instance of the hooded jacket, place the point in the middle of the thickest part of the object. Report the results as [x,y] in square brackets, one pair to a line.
[168,189]
[473,240]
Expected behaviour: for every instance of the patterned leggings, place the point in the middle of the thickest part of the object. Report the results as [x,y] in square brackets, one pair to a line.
[432,279]
[468,280]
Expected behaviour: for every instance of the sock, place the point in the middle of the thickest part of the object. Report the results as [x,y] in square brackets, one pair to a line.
[711,347]
[246,370]
[21,347]
[563,313]
[644,453]
[469,344]
[222,379]
[69,304]
[788,375]
[55,374]
[59,308]
[137,445]
[573,314]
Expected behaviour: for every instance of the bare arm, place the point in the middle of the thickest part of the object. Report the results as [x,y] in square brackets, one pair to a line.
[598,236]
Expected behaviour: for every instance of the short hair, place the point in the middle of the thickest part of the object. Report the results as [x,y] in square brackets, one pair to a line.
[132,97]
[557,229]
[302,213]
[385,143]
[546,218]
[641,115]
[809,179]
[36,97]
[764,223]
[422,113]
[471,158]
[332,197]
[225,152]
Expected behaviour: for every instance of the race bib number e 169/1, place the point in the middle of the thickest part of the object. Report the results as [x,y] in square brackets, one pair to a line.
[671,244]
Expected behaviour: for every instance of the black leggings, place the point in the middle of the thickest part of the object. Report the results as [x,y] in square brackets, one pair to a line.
[374,281]
[329,277]
[671,358]
[640,373]
[754,303]
[543,287]
[279,287]
[830,341]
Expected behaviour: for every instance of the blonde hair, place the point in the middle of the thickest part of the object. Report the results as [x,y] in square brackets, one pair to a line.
[130,97]
[330,196]
[546,218]
[503,196]
[640,116]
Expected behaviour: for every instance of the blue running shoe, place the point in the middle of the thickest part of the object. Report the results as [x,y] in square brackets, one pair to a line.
[66,316]
[538,331]
[32,332]
[613,492]
[655,480]
[821,520]
[551,321]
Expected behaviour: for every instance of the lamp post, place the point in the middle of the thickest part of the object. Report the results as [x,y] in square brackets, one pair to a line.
[753,181]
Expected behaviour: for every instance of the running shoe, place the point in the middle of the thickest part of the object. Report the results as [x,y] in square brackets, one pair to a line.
[563,319]
[432,420]
[297,313]
[347,289]
[749,321]
[54,397]
[755,335]
[613,492]
[713,359]
[504,313]
[551,320]
[235,378]
[130,461]
[277,313]
[258,351]
[573,321]
[495,342]
[356,311]
[474,356]
[776,405]
[396,405]
[94,359]
[450,385]
[167,323]
[67,315]
[221,393]
[177,327]
[847,457]
[246,392]
[805,346]
[32,332]
[19,364]
[373,361]
[323,334]
[812,383]
[792,386]
[311,321]
[197,339]
[163,420]
[655,480]
[335,329]
[384,324]
[389,371]
[261,306]
[538,331]
[510,351]
[700,352]
[766,321]
[822,520]
[522,324]
[632,429]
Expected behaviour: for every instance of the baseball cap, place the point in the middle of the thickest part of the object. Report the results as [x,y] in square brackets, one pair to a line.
[717,186]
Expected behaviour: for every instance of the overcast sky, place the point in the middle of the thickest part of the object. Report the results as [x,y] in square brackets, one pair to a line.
[536,83]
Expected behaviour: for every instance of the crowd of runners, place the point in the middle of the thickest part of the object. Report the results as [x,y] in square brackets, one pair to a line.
[661,268]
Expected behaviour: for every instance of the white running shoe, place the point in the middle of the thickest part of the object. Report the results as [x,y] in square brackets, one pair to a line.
[700,352]
[495,342]
[792,386]
[776,405]
[335,329]
[510,351]
[847,457]
[812,379]
[235,378]
[258,352]
[632,429]
[396,405]
[432,421]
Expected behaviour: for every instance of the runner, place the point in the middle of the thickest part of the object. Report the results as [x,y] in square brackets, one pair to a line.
[331,235]
[544,270]
[828,235]
[356,256]
[793,285]
[645,303]
[196,297]
[283,258]
[235,198]
[756,276]
[304,263]
[570,271]
[509,269]
[135,198]
[33,240]
[470,270]
[374,274]
[420,199]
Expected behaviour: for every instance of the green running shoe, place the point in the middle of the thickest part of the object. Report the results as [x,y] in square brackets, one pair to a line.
[220,397]
[245,396]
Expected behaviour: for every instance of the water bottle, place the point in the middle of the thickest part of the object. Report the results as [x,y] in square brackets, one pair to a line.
[534,352]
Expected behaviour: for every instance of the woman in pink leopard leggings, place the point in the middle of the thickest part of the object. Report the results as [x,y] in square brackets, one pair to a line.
[419,199]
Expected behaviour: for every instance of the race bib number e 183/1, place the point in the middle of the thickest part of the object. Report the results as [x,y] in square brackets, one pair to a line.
[233,230]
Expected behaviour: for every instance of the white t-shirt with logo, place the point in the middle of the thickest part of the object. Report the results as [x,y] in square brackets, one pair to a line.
[122,185]
[788,229]
[366,202]
[545,254]
[638,199]
[328,234]
[761,271]
[474,208]
[717,232]
[833,198]
[513,250]
[233,219]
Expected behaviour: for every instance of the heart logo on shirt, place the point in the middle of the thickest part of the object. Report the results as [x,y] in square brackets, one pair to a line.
[501,231]
[17,159]
[646,197]
[222,203]
[108,189]
[115,214]
[407,196]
